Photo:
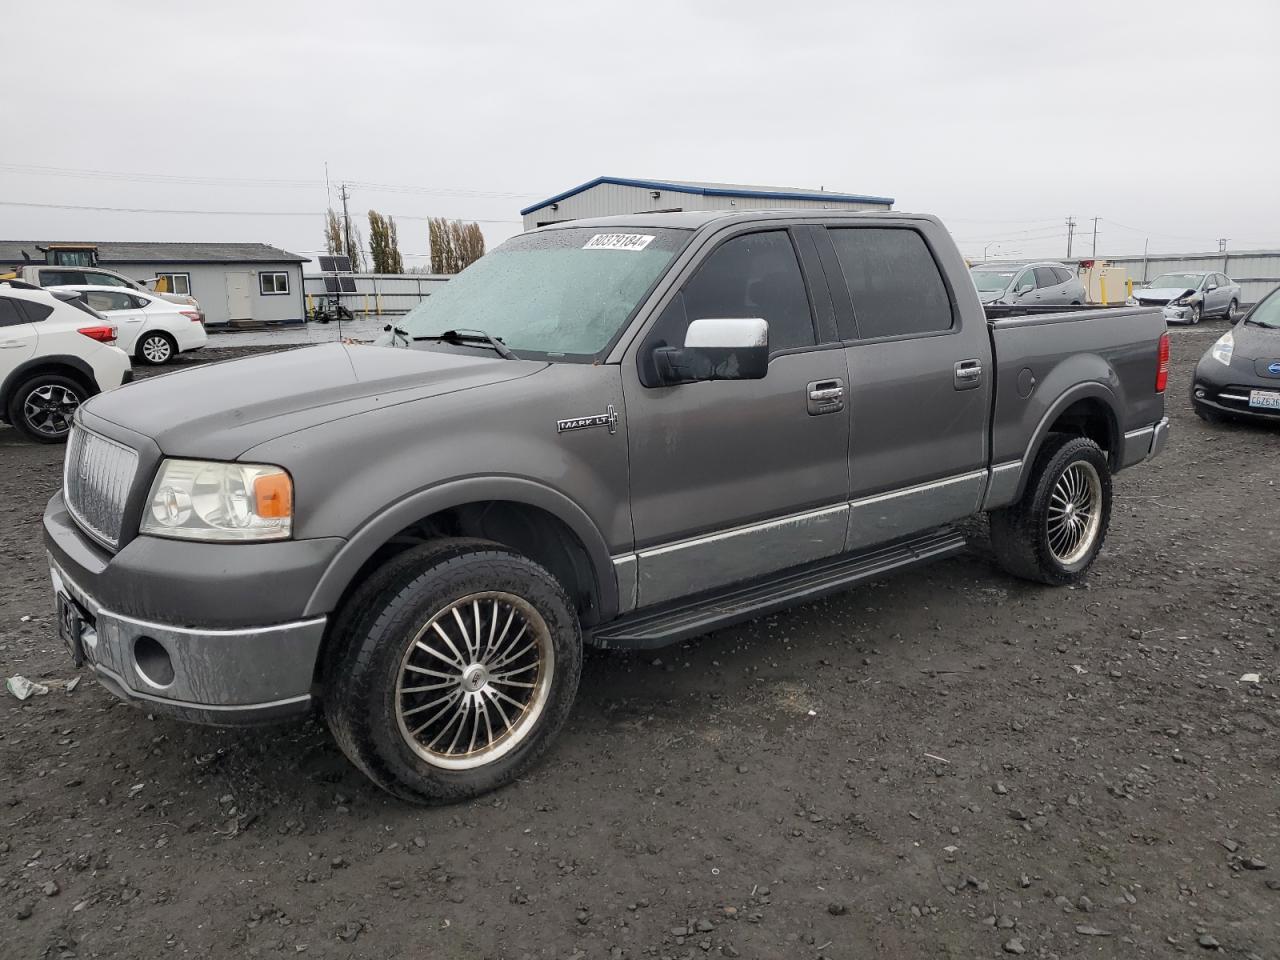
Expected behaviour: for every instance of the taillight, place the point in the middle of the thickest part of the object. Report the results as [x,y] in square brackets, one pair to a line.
[1162,371]
[101,334]
[192,315]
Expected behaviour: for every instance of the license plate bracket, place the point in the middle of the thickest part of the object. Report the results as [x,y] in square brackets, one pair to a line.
[71,627]
[1265,399]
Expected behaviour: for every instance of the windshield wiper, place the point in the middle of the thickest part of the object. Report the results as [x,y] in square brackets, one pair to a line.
[400,331]
[474,336]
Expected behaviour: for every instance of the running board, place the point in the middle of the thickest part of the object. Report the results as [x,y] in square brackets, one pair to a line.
[672,623]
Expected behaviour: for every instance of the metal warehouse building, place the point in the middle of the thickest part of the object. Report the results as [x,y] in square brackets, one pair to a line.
[236,283]
[609,196]
[1257,271]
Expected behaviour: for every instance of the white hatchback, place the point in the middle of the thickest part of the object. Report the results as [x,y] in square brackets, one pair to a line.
[54,355]
[152,329]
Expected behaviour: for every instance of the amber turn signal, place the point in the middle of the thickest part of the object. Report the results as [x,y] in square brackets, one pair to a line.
[273,496]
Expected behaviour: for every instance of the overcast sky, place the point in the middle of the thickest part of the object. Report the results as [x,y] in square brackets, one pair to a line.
[1161,118]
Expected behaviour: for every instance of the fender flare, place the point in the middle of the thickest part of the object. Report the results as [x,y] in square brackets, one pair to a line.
[381,527]
[1091,390]
[23,369]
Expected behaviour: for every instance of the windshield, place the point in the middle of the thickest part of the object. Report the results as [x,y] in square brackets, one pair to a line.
[563,293]
[1170,280]
[989,281]
[1267,313]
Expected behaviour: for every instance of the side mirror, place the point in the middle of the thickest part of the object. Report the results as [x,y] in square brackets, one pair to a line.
[1023,289]
[717,349]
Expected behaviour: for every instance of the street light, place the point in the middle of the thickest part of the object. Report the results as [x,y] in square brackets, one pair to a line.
[988,247]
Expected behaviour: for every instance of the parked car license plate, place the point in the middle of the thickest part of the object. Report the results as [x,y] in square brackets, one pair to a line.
[71,627]
[1267,399]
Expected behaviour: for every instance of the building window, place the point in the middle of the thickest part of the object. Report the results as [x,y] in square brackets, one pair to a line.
[174,283]
[273,283]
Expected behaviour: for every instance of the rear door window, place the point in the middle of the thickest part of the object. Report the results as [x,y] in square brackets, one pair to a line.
[894,282]
[58,278]
[10,313]
[1063,274]
[1045,277]
[105,279]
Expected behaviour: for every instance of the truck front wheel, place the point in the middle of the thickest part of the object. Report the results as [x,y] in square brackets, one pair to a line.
[452,669]
[1053,534]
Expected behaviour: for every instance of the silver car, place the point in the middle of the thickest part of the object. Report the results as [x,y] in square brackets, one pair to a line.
[1043,283]
[1189,297]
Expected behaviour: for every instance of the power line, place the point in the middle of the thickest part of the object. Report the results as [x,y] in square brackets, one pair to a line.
[212,213]
[30,169]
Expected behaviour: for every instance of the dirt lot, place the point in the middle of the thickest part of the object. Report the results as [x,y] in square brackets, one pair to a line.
[945,763]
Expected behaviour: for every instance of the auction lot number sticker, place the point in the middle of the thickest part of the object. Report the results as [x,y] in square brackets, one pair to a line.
[618,241]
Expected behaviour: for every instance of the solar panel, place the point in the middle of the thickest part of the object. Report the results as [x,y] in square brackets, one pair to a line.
[348,284]
[342,264]
[326,265]
[330,284]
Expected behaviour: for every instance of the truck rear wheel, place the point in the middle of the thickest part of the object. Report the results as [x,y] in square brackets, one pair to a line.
[454,667]
[1053,534]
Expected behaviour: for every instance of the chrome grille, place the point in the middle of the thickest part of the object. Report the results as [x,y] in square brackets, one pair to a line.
[96,478]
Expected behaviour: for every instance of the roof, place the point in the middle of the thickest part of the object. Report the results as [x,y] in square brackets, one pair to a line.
[694,219]
[112,251]
[705,189]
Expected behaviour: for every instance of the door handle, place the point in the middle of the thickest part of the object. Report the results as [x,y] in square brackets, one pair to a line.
[825,396]
[968,374]
[11,344]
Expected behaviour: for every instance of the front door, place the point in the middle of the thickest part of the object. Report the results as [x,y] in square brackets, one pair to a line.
[734,479]
[239,306]
[919,382]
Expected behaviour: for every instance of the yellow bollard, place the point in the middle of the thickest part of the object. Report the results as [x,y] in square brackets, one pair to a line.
[1128,286]
[377,302]
[366,304]
[311,306]
[1102,282]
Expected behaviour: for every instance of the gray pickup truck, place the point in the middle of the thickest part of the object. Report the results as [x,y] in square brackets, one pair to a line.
[620,432]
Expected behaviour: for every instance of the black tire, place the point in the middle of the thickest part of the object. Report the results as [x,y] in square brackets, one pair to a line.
[374,637]
[42,406]
[1021,534]
[1230,315]
[156,348]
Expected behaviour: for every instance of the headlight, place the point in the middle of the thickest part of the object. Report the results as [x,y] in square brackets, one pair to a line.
[201,500]
[1222,350]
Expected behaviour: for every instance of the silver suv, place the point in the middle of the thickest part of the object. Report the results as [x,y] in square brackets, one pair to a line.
[1043,283]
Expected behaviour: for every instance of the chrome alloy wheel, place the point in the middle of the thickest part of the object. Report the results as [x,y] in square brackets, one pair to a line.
[474,680]
[49,409]
[156,349]
[1075,513]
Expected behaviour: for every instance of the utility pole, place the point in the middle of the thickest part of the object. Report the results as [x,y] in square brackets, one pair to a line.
[1095,238]
[346,224]
[1071,232]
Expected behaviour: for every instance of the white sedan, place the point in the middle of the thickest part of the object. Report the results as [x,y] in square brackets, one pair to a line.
[152,329]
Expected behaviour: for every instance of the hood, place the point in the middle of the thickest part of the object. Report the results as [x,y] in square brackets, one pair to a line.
[1257,343]
[1161,294]
[220,410]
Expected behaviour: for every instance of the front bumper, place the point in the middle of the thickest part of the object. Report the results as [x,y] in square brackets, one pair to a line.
[226,620]
[1174,314]
[221,677]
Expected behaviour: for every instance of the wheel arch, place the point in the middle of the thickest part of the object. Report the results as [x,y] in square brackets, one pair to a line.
[1087,410]
[59,364]
[529,517]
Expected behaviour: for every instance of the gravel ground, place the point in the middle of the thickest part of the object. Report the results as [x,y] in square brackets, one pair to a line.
[948,763]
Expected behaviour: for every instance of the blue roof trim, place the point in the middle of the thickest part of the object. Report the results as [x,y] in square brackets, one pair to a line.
[704,192]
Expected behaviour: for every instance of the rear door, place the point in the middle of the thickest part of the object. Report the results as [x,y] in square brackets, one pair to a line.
[735,479]
[919,379]
[1049,287]
[17,336]
[122,310]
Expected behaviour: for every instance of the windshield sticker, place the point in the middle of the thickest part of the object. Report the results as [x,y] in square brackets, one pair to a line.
[618,241]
